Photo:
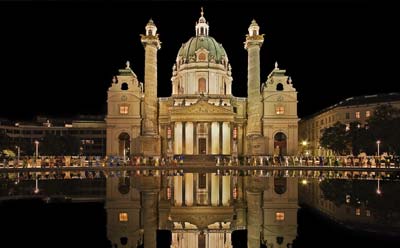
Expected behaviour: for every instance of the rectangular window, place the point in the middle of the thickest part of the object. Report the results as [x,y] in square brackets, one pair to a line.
[123,110]
[367,114]
[347,115]
[123,217]
[358,115]
[368,213]
[358,211]
[280,110]
[279,216]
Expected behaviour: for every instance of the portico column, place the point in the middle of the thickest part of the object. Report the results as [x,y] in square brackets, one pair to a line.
[226,138]
[226,190]
[254,218]
[189,138]
[189,189]
[150,216]
[214,189]
[215,137]
[195,149]
[178,190]
[178,138]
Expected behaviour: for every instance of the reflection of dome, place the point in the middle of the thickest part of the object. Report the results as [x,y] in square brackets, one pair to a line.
[216,51]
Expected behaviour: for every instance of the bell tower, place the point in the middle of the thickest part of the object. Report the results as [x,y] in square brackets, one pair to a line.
[123,112]
[280,121]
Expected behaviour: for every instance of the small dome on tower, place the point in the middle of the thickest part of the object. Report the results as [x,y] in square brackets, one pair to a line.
[254,29]
[151,29]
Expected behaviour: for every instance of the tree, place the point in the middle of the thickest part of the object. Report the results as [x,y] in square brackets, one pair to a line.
[360,139]
[384,126]
[335,138]
[59,145]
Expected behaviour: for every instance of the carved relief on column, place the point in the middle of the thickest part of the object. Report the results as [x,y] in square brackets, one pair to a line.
[254,218]
[149,208]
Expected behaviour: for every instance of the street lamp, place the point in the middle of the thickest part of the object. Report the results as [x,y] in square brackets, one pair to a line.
[124,153]
[304,143]
[378,190]
[378,142]
[18,153]
[37,149]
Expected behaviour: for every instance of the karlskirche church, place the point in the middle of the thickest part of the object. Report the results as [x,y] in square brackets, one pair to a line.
[202,116]
[201,121]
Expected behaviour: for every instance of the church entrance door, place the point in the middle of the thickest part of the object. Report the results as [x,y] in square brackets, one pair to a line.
[280,144]
[202,146]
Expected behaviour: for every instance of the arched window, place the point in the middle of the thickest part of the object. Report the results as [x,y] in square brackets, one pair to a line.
[279,87]
[124,86]
[202,85]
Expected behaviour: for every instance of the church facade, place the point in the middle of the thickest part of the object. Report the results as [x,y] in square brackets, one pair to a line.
[202,116]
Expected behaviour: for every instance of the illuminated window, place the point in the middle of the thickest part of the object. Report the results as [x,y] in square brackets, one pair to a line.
[367,113]
[347,127]
[280,110]
[202,85]
[358,211]
[279,216]
[358,115]
[368,212]
[123,217]
[123,110]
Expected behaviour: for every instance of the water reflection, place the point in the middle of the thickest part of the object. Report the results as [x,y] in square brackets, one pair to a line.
[228,208]
[201,210]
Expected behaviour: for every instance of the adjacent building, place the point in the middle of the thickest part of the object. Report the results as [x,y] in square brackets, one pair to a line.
[90,130]
[359,108]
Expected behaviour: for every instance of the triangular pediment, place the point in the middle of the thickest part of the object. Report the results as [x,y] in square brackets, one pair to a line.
[201,107]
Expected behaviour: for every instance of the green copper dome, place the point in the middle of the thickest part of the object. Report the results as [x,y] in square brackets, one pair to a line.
[215,49]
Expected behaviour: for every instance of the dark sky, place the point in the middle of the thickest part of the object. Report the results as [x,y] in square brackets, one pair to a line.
[58,58]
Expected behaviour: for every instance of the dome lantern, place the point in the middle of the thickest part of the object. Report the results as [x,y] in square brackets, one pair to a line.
[202,26]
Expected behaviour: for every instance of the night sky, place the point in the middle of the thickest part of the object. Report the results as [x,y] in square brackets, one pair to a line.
[58,58]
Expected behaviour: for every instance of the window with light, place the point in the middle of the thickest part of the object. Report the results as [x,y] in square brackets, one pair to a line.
[123,217]
[367,113]
[368,213]
[358,115]
[279,216]
[123,110]
[358,211]
[280,110]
